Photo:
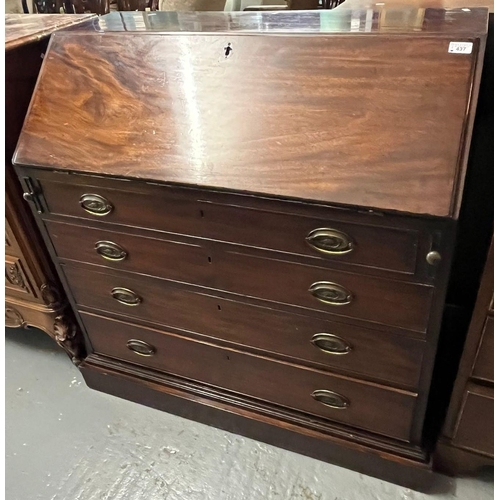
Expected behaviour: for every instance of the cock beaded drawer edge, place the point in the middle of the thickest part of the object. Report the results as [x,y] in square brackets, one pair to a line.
[253,215]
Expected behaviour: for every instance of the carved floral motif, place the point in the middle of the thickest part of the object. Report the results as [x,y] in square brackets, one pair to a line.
[13,318]
[51,296]
[65,334]
[14,276]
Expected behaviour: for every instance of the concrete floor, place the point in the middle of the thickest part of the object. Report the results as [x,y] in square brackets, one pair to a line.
[67,442]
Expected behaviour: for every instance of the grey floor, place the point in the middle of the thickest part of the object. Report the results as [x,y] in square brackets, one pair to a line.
[67,442]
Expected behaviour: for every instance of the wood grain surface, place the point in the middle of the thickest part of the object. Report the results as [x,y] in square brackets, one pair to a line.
[375,355]
[205,215]
[28,28]
[373,407]
[221,267]
[373,120]
[370,17]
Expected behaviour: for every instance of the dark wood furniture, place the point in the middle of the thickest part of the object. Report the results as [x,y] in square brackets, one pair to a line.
[467,438]
[33,294]
[268,255]
[137,4]
[100,7]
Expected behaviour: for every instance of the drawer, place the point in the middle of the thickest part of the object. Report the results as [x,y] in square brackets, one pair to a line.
[359,404]
[474,429]
[484,365]
[394,359]
[219,266]
[204,215]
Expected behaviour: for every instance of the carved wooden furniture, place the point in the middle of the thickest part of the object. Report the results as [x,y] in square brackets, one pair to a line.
[33,293]
[268,255]
[467,439]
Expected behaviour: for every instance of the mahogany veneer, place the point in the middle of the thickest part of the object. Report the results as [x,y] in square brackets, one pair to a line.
[255,225]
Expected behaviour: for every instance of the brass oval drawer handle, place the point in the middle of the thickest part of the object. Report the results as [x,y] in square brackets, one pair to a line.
[331,293]
[331,399]
[330,241]
[141,348]
[96,204]
[110,251]
[125,296]
[331,344]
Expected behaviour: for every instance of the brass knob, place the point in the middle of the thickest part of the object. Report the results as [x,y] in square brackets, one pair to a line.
[331,399]
[330,241]
[141,348]
[433,258]
[110,251]
[331,344]
[96,204]
[331,293]
[125,296]
[31,195]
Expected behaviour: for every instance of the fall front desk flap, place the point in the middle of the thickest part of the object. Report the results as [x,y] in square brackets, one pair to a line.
[342,107]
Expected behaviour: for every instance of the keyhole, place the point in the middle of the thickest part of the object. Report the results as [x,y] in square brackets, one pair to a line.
[227,50]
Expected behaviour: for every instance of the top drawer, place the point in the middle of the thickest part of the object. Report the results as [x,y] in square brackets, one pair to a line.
[331,235]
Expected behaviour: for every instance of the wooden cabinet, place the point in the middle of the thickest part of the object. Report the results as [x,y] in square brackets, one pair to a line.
[466,443]
[256,230]
[33,294]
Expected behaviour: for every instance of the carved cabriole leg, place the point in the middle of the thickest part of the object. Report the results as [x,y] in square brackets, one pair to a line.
[66,335]
[53,317]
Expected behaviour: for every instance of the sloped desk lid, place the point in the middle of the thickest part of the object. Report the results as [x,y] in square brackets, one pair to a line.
[332,106]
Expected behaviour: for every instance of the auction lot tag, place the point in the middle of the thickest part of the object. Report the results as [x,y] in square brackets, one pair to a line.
[460,47]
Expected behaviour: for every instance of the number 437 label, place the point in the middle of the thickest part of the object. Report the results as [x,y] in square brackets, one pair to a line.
[460,48]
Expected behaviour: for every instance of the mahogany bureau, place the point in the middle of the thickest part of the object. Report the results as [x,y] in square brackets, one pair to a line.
[33,294]
[253,215]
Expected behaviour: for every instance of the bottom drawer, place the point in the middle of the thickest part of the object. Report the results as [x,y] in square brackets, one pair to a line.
[365,405]
[474,429]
